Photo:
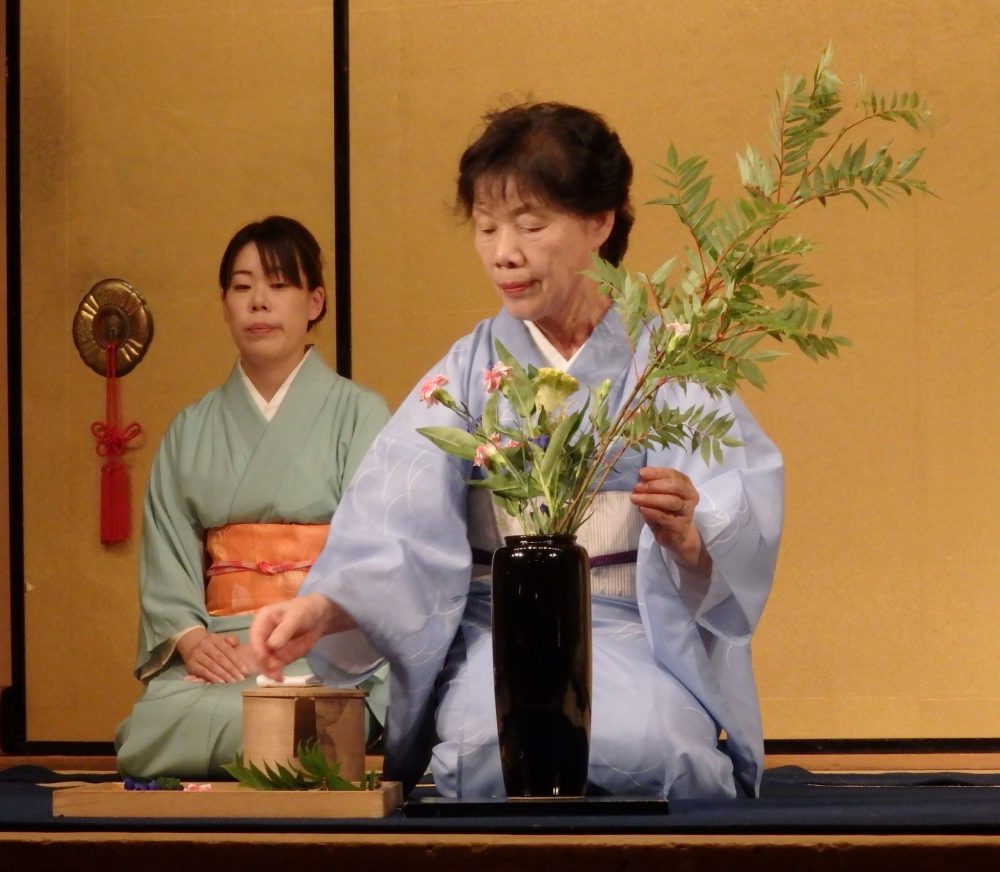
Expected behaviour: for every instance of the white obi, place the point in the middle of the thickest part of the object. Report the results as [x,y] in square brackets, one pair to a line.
[613,527]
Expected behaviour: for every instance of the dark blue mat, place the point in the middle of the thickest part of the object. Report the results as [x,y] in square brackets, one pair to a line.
[793,801]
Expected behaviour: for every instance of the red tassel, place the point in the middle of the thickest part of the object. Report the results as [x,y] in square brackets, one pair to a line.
[114,502]
[112,443]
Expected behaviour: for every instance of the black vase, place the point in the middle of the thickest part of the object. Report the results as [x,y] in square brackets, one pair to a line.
[542,664]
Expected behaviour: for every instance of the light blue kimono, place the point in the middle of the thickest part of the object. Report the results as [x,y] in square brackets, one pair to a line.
[221,462]
[672,668]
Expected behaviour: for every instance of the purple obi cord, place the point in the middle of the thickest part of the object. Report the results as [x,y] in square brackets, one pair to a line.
[481,557]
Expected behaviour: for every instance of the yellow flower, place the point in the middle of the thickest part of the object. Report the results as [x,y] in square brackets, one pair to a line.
[553,387]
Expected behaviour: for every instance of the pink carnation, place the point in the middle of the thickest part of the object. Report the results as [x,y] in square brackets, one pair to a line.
[485,452]
[493,378]
[428,388]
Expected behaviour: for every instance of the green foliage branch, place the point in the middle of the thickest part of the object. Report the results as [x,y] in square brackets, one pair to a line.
[739,283]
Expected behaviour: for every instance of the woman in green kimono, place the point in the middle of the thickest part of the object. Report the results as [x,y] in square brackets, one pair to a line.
[238,506]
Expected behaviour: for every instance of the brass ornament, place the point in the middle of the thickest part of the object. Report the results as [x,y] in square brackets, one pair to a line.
[112,312]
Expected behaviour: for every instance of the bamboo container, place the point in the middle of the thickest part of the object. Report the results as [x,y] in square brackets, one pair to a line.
[277,719]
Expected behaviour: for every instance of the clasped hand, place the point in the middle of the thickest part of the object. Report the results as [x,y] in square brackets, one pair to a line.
[215,658]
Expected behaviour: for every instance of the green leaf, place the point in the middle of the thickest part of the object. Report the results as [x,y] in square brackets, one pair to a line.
[660,276]
[491,417]
[503,486]
[452,440]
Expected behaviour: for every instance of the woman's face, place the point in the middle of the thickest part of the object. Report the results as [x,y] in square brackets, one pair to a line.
[268,315]
[534,253]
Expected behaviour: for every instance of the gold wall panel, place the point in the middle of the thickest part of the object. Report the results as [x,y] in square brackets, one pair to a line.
[152,130]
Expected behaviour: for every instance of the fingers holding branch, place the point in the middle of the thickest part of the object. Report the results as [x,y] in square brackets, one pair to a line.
[666,499]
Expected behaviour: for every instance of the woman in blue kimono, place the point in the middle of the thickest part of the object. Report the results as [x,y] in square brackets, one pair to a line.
[546,186]
[238,506]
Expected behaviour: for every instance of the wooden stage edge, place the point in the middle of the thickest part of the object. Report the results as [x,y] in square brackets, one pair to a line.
[64,763]
[84,850]
[902,762]
[446,852]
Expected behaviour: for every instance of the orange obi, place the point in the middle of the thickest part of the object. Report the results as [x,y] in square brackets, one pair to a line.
[254,565]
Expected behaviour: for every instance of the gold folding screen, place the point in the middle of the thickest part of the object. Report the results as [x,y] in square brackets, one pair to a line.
[151,130]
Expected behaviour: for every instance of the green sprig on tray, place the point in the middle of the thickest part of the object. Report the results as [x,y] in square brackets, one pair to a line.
[317,773]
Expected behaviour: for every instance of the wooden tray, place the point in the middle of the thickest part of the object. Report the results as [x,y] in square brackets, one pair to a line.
[224,800]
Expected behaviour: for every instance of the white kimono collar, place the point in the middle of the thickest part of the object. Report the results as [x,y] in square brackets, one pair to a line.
[269,408]
[553,356]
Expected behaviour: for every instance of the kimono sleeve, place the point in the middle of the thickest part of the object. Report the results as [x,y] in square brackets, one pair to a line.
[398,561]
[739,514]
[171,562]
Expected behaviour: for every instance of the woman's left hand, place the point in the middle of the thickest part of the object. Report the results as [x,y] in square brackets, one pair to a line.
[243,655]
[666,500]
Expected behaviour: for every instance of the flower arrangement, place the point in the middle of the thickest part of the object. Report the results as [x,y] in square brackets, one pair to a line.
[739,283]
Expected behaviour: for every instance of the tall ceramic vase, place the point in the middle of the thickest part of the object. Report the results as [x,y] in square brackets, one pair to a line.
[542,664]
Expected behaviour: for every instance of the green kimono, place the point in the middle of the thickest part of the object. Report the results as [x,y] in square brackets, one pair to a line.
[220,463]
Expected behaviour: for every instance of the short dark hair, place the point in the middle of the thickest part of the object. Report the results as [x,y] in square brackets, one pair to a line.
[565,155]
[286,248]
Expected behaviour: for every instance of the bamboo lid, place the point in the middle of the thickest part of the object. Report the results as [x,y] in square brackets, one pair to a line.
[313,692]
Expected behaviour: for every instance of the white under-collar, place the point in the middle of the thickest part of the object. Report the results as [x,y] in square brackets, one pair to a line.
[553,356]
[269,408]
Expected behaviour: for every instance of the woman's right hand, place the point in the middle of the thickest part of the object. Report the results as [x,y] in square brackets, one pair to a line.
[214,658]
[284,632]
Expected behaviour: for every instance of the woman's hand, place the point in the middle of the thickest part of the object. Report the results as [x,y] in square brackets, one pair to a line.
[214,658]
[284,632]
[666,500]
